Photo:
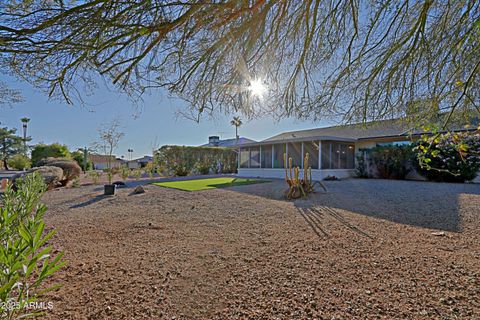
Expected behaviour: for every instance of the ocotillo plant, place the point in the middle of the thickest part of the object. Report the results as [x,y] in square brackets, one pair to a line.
[299,187]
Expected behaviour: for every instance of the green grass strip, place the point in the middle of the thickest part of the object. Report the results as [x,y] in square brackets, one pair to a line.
[207,184]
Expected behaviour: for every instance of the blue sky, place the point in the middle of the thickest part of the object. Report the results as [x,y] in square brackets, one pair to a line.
[77,125]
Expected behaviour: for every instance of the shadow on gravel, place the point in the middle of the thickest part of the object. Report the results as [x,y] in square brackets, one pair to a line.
[314,215]
[90,201]
[422,204]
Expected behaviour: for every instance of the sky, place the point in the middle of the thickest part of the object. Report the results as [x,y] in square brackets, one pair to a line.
[155,123]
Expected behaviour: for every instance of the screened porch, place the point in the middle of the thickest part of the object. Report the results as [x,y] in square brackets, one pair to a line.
[323,155]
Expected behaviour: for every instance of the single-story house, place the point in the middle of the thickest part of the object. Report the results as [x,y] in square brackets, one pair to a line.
[331,150]
[100,161]
[215,141]
[140,162]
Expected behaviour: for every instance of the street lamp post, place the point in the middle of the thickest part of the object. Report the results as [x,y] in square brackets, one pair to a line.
[25,122]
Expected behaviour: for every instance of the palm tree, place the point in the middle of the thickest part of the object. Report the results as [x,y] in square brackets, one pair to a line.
[25,122]
[237,122]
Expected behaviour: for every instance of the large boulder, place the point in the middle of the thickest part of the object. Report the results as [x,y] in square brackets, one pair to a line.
[71,169]
[51,175]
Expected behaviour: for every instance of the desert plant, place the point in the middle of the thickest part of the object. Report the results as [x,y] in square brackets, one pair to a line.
[392,162]
[137,174]
[71,169]
[25,259]
[19,162]
[449,157]
[124,172]
[95,176]
[299,187]
[150,169]
[54,150]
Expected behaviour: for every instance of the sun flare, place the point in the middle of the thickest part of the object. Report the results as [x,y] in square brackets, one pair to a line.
[257,88]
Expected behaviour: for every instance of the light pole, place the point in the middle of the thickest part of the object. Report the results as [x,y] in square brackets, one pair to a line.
[25,122]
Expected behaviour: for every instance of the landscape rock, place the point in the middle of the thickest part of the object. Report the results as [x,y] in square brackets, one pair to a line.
[71,169]
[138,190]
[51,175]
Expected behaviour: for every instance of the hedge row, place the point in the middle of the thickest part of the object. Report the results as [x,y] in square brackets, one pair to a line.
[182,160]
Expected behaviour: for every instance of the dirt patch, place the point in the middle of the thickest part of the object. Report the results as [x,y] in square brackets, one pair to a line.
[359,251]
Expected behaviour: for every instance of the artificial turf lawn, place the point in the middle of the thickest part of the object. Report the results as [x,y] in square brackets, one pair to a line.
[206,184]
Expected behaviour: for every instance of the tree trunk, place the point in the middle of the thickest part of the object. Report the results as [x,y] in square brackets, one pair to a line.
[5,165]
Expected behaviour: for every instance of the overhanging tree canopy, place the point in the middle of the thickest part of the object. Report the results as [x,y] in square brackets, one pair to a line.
[359,59]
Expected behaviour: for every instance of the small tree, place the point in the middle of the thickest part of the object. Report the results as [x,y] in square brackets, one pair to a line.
[237,122]
[19,162]
[10,144]
[110,136]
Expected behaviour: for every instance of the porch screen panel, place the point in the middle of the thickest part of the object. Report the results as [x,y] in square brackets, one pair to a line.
[336,151]
[244,157]
[278,151]
[267,156]
[311,147]
[255,157]
[295,152]
[350,156]
[326,155]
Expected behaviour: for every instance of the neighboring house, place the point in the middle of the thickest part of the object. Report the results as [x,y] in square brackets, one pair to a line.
[100,162]
[140,162]
[331,149]
[214,141]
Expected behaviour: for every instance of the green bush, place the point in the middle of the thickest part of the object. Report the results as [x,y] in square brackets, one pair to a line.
[181,160]
[54,150]
[79,157]
[449,157]
[19,162]
[392,162]
[361,168]
[25,259]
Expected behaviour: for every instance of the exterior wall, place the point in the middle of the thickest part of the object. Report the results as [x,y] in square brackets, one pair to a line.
[280,173]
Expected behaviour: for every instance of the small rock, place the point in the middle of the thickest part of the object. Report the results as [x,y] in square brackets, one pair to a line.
[138,190]
[439,234]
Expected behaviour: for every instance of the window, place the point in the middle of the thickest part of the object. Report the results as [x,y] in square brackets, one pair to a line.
[254,157]
[393,143]
[337,155]
[266,156]
[244,158]
[295,152]
[278,152]
[311,147]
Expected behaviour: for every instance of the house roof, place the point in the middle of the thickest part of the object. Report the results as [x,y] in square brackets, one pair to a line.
[228,143]
[143,159]
[97,158]
[395,128]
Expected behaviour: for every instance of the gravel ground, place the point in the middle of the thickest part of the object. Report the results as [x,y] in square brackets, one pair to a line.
[366,249]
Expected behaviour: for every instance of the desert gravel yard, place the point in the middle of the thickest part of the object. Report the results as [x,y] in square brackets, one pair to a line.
[367,249]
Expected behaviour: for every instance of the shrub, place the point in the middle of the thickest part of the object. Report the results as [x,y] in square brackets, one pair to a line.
[150,169]
[19,162]
[361,168]
[449,157]
[202,167]
[78,156]
[181,160]
[392,162]
[71,169]
[28,262]
[54,150]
